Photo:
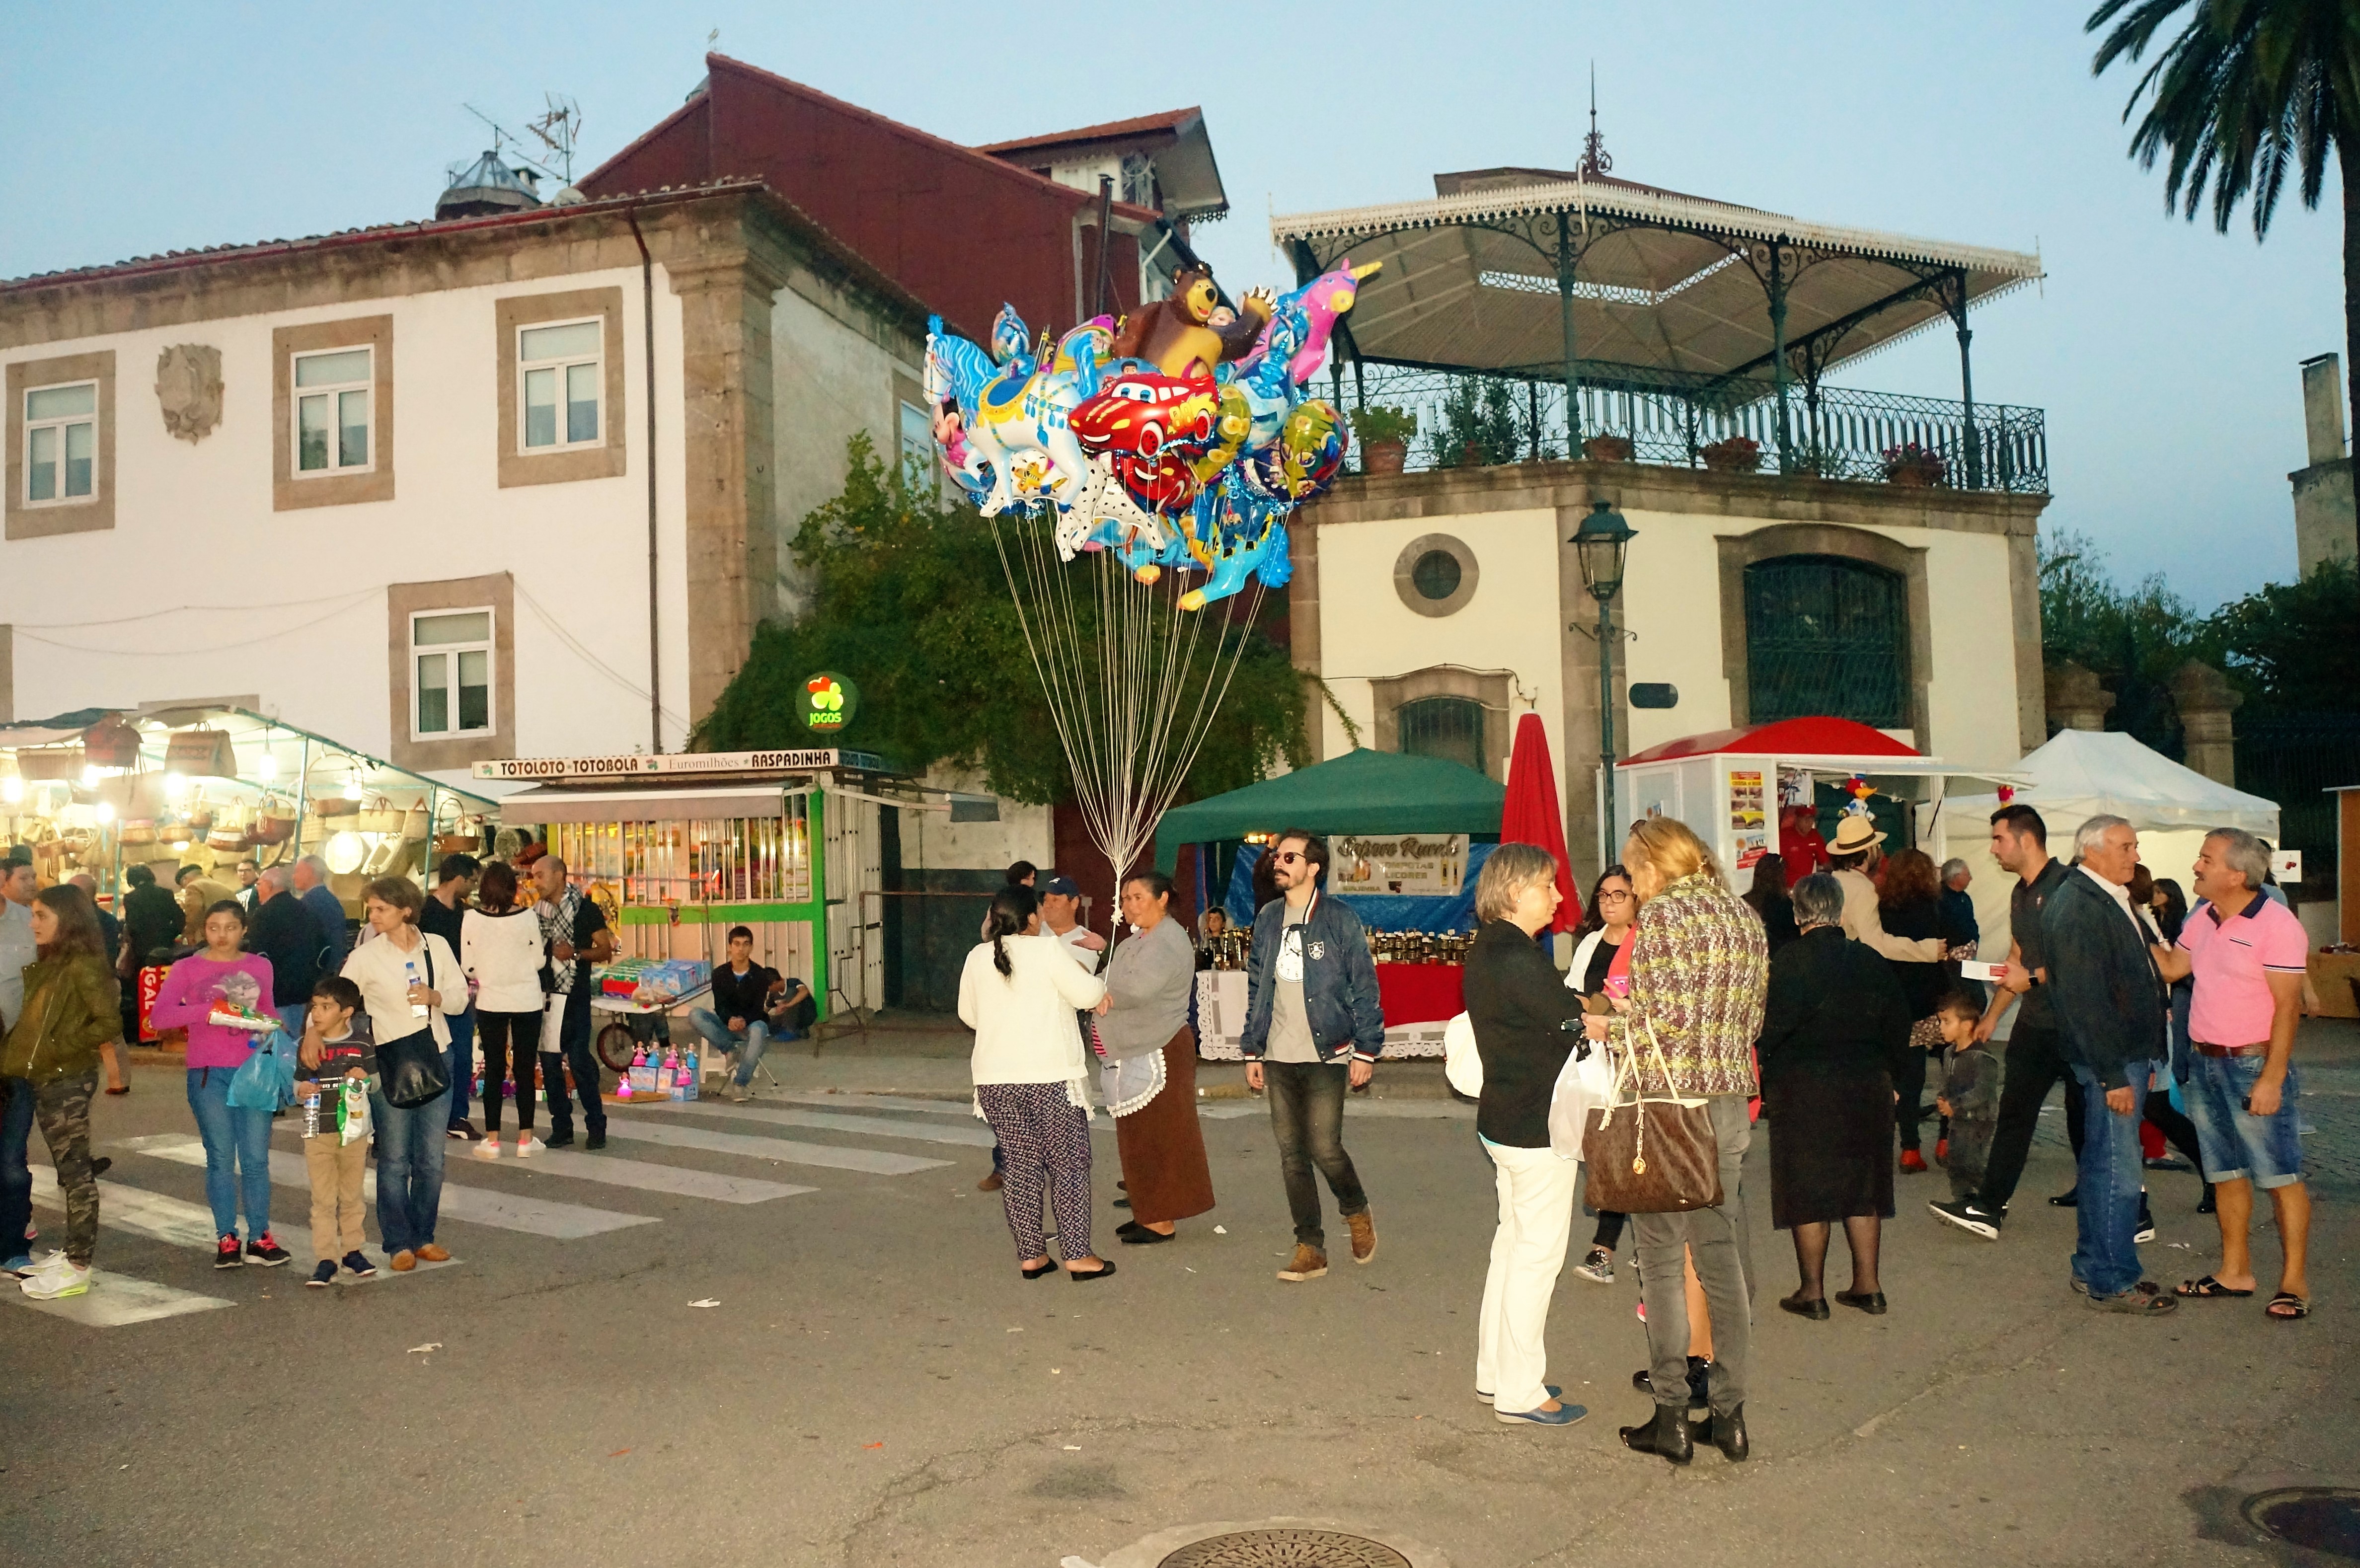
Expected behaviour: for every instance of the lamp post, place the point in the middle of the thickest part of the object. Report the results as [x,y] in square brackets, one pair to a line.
[1600,543]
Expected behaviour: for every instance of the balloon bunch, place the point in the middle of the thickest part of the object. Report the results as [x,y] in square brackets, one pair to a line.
[1178,438]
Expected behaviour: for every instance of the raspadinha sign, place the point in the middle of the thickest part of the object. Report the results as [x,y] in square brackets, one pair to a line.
[828,701]
[677,764]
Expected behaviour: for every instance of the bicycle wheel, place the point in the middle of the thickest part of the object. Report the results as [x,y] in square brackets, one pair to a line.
[615,1045]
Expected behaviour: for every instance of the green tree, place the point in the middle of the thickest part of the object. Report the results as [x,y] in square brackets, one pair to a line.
[2133,637]
[2291,647]
[910,601]
[2247,92]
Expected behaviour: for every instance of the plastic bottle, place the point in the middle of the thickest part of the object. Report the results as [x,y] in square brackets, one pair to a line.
[409,968]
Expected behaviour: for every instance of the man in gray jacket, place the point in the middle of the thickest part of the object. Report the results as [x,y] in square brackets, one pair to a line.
[1314,1027]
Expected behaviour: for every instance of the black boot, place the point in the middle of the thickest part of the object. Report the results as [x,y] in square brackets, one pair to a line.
[1726,1432]
[1666,1433]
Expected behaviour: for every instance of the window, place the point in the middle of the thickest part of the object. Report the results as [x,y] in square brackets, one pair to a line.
[60,443]
[452,653]
[1448,727]
[1436,574]
[333,394]
[1826,635]
[563,374]
[917,438]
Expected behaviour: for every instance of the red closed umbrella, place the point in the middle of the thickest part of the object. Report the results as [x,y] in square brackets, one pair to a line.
[1531,814]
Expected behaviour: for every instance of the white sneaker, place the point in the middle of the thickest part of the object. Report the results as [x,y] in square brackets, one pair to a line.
[528,1144]
[488,1149]
[48,1284]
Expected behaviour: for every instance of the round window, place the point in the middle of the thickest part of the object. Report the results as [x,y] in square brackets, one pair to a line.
[1436,575]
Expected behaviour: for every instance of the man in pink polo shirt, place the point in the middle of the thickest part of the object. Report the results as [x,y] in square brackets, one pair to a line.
[2247,953]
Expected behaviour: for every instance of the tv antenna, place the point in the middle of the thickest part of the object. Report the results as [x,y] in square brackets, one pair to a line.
[557,130]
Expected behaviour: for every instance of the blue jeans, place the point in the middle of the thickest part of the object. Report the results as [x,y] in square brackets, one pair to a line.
[462,1064]
[2105,1259]
[409,1168]
[15,1175]
[749,1045]
[2237,1144]
[237,1153]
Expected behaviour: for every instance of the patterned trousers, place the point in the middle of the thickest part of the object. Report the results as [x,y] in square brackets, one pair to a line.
[1045,1141]
[62,1108]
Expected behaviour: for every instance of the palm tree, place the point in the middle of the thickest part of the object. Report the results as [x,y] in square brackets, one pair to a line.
[2248,91]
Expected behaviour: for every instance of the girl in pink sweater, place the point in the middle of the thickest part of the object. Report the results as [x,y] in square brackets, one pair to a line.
[238,1139]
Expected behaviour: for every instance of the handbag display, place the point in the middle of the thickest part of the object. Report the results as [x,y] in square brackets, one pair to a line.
[1652,1154]
[414,1069]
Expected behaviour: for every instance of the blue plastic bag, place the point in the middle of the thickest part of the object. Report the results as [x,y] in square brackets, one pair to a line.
[266,1080]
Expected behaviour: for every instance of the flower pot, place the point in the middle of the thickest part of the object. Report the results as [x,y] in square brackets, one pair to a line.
[1913,476]
[1737,455]
[1607,449]
[1384,456]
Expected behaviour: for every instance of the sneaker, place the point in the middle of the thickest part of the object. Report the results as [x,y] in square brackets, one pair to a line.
[228,1254]
[2146,1232]
[1912,1162]
[527,1145]
[488,1149]
[1364,1235]
[357,1264]
[1597,1268]
[20,1264]
[1968,1216]
[740,1093]
[1308,1263]
[65,1279]
[265,1250]
[321,1277]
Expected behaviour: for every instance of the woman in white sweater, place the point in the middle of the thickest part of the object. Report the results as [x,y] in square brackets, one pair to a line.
[1019,992]
[502,948]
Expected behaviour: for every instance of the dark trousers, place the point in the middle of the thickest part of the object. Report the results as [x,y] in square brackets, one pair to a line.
[574,1046]
[1306,1115]
[511,1043]
[16,1171]
[463,1062]
[2177,1129]
[2034,1064]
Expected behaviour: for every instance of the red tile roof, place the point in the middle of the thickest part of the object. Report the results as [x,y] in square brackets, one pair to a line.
[1170,120]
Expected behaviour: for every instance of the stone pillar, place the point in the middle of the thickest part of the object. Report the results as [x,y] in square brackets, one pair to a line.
[2326,526]
[2076,700]
[2205,701]
[733,547]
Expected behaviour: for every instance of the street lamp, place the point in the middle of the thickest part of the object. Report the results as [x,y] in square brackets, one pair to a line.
[1600,543]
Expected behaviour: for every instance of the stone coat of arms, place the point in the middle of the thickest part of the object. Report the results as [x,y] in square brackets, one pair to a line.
[188,385]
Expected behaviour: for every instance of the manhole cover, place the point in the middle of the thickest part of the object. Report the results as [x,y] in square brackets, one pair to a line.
[1285,1549]
[2324,1518]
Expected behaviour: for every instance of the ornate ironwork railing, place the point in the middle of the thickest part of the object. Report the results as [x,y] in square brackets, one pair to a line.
[1830,433]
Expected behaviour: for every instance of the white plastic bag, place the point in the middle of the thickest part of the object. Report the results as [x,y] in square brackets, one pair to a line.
[1462,1065]
[1582,1084]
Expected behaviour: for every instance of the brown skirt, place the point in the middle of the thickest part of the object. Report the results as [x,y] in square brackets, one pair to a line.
[1162,1145]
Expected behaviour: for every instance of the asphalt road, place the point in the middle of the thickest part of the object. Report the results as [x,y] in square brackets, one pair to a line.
[877,1386]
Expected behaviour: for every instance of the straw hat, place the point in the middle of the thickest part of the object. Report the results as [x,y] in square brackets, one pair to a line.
[1854,835]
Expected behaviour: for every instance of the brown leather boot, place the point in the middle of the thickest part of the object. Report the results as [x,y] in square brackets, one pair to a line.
[1308,1263]
[992,1183]
[1364,1235]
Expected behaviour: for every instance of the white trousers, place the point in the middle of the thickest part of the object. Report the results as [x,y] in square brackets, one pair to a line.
[1536,1192]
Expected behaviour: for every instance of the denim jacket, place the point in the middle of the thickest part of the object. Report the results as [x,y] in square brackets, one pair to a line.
[1340,982]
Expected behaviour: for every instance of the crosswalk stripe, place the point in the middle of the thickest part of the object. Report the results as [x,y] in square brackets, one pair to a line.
[974,1136]
[877,1102]
[114,1299]
[877,1162]
[179,1224]
[648,1177]
[476,1205]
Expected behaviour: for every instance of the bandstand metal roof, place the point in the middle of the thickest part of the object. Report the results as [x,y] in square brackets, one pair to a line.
[1485,277]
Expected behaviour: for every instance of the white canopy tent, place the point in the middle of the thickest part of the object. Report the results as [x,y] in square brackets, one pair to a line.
[2080,774]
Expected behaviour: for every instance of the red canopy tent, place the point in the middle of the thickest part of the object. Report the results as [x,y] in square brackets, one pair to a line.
[1531,814]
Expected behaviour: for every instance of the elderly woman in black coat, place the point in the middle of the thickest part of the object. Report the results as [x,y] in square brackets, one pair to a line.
[1834,1034]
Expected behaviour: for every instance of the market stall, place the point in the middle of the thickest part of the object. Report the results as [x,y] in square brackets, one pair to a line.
[1402,835]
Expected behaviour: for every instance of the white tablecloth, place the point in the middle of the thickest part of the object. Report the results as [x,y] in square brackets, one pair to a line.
[1221,1020]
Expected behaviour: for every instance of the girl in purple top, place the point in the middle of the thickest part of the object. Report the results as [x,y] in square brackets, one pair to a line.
[238,1139]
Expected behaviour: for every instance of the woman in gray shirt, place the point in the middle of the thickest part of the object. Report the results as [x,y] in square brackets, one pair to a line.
[1150,1069]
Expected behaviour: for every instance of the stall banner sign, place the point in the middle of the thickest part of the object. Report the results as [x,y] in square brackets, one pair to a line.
[203,753]
[151,985]
[675,765]
[1749,821]
[2286,865]
[1434,866]
[828,702]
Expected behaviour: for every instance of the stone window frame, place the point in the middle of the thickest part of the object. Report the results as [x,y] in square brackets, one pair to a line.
[561,466]
[1405,564]
[1908,562]
[288,492]
[404,600]
[47,518]
[1492,691]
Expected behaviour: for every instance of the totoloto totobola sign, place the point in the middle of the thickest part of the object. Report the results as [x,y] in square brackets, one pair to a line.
[828,702]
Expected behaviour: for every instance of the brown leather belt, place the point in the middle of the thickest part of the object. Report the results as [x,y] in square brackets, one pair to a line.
[2203,1050]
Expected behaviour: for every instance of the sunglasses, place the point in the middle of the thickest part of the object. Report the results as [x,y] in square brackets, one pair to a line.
[1286,857]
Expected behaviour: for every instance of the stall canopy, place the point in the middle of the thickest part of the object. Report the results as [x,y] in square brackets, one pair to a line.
[1821,744]
[1361,791]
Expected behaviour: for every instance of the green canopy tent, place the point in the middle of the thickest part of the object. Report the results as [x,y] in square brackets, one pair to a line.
[1361,791]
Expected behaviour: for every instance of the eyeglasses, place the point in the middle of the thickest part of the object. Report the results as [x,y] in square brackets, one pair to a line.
[1286,857]
[1614,896]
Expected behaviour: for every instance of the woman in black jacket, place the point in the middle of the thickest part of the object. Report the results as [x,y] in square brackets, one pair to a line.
[1835,1032]
[1520,1008]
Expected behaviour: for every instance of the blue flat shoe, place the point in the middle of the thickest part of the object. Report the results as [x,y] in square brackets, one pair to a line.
[1553,1392]
[1564,1415]
[20,1264]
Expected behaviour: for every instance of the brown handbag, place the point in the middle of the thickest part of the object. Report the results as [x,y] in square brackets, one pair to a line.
[1652,1154]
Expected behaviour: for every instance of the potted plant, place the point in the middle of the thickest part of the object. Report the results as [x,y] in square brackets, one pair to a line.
[1732,455]
[1606,448]
[1913,467]
[1385,436]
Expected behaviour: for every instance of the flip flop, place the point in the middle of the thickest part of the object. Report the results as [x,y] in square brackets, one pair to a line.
[2301,1308]
[2207,1289]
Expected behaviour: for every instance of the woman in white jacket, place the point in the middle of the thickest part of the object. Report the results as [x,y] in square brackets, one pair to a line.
[502,948]
[1019,992]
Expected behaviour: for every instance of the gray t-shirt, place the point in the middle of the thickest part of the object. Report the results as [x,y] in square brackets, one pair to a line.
[1290,1025]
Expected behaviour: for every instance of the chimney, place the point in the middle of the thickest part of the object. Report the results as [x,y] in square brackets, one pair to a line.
[2323,406]
[2326,526]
